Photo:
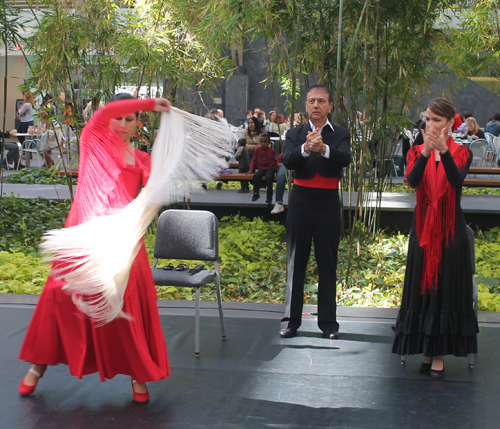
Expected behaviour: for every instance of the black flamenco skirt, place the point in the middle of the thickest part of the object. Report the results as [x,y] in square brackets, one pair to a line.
[441,321]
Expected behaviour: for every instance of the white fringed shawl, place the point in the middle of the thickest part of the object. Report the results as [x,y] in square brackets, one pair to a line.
[95,257]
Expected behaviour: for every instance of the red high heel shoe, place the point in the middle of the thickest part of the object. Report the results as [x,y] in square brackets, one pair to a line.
[140,398]
[24,389]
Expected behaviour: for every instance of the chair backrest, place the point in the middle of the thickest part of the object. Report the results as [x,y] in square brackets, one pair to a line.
[31,145]
[43,141]
[489,138]
[187,234]
[496,144]
[478,148]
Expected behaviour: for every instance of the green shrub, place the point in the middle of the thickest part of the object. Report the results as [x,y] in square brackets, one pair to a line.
[22,273]
[23,221]
[42,176]
[252,260]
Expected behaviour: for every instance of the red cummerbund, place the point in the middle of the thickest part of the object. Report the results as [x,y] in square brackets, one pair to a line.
[318,181]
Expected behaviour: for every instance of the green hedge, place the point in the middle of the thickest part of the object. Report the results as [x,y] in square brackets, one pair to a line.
[252,260]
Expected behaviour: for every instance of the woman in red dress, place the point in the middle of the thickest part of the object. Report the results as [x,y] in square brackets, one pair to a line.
[112,172]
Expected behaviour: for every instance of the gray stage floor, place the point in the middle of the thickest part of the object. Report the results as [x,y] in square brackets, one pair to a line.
[257,380]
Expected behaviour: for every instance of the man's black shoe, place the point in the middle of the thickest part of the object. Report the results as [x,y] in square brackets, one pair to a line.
[331,335]
[269,201]
[255,197]
[288,333]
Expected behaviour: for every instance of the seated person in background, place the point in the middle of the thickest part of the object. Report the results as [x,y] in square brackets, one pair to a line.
[462,129]
[241,156]
[249,115]
[55,138]
[457,123]
[280,187]
[300,119]
[263,164]
[13,155]
[473,129]
[275,123]
[493,125]
[91,108]
[252,135]
[297,119]
[261,116]
[220,117]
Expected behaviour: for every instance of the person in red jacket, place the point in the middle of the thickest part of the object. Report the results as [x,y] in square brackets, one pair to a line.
[263,164]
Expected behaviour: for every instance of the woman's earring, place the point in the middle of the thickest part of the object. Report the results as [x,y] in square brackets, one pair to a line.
[450,132]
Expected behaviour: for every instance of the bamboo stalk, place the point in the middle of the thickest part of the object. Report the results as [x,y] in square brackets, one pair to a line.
[339,56]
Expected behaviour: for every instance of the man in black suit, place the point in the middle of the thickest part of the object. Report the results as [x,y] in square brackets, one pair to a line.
[316,152]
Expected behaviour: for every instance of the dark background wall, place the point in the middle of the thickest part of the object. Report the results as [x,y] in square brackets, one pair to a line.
[468,96]
[248,88]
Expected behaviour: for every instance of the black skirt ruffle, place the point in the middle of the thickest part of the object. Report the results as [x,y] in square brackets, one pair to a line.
[435,334]
[440,321]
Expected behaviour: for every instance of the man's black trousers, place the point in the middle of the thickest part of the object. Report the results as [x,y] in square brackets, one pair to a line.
[313,214]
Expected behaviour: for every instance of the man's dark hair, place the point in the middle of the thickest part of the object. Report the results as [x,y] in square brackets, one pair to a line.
[468,115]
[266,136]
[321,88]
[496,117]
[242,142]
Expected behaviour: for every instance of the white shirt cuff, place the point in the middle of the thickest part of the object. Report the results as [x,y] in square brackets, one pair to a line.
[304,153]
[327,152]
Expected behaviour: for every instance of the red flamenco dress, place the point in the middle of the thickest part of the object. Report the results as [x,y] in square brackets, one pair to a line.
[436,316]
[59,332]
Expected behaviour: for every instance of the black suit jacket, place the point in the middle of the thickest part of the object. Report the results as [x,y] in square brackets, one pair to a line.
[339,142]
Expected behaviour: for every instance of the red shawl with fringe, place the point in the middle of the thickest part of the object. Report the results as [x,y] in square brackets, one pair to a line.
[435,209]
[100,185]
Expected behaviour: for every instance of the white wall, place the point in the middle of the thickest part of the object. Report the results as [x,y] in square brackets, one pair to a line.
[16,73]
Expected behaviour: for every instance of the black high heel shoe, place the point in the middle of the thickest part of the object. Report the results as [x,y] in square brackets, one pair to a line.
[437,374]
[425,367]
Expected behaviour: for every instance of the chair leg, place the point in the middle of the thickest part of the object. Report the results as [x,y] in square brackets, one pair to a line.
[403,359]
[219,299]
[197,324]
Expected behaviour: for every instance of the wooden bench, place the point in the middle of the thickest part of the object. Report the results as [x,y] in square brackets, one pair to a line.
[238,177]
[235,177]
[69,173]
[236,165]
[483,183]
[484,170]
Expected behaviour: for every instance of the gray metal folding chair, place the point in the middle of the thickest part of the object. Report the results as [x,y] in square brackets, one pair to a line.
[470,236]
[191,235]
[479,149]
[35,146]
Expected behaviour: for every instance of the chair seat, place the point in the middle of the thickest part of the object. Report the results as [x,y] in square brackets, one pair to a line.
[181,279]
